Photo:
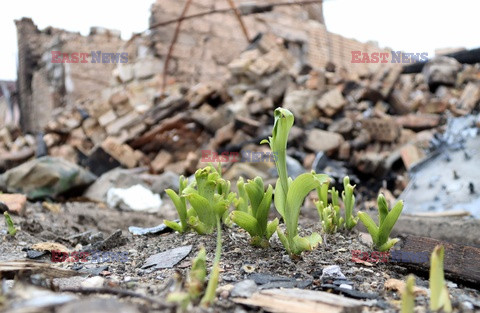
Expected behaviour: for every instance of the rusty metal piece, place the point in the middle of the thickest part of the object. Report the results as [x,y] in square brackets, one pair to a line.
[172,44]
[240,19]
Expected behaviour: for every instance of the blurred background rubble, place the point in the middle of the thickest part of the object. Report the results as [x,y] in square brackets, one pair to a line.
[205,78]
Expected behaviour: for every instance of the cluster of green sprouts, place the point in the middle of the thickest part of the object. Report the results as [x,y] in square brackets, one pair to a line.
[203,205]
[439,297]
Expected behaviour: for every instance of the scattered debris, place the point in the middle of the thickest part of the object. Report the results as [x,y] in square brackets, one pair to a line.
[45,177]
[167,258]
[298,300]
[136,198]
[159,229]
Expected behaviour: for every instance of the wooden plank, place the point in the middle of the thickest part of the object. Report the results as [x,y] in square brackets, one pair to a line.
[297,300]
[10,269]
[461,262]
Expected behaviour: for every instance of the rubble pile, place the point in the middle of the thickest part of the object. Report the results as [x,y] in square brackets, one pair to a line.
[368,123]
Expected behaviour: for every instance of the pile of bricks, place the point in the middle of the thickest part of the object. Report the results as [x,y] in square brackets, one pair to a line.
[368,122]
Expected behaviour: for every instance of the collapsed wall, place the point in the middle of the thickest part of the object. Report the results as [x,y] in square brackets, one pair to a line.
[44,85]
[206,44]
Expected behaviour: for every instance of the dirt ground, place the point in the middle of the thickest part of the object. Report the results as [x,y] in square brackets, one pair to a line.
[239,260]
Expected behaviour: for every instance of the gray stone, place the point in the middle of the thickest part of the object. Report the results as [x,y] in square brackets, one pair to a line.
[167,259]
[441,71]
[301,103]
[244,289]
[118,178]
[147,67]
[167,180]
[320,140]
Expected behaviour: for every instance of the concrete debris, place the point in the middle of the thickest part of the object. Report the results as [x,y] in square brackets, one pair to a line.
[369,122]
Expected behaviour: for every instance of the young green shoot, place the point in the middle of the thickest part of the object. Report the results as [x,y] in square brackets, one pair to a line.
[349,201]
[181,205]
[439,297]
[252,208]
[195,284]
[408,295]
[209,296]
[386,220]
[329,212]
[209,196]
[9,223]
[289,195]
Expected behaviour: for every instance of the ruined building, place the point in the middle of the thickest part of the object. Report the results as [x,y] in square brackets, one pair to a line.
[204,47]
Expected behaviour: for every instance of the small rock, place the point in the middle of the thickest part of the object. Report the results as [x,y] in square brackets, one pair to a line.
[332,272]
[244,289]
[320,140]
[15,202]
[93,282]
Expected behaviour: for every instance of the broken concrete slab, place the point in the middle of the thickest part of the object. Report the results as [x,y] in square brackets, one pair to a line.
[167,259]
[321,140]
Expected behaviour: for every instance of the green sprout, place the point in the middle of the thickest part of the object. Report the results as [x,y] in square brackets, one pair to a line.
[209,295]
[408,295]
[253,217]
[329,213]
[9,223]
[289,194]
[209,196]
[181,205]
[195,284]
[349,201]
[386,219]
[439,298]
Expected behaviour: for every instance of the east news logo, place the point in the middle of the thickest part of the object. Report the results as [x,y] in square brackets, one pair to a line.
[385,57]
[82,57]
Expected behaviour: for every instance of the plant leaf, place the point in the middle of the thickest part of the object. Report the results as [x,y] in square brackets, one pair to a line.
[408,296]
[263,210]
[245,221]
[203,209]
[370,225]
[439,298]
[315,239]
[173,225]
[388,245]
[180,205]
[271,227]
[283,239]
[255,194]
[387,225]
[382,208]
[279,199]
[297,192]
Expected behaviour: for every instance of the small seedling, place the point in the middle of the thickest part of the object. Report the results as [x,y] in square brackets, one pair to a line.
[209,295]
[195,284]
[181,205]
[9,223]
[289,195]
[439,297]
[386,219]
[209,196]
[349,201]
[329,213]
[253,217]
[408,295]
